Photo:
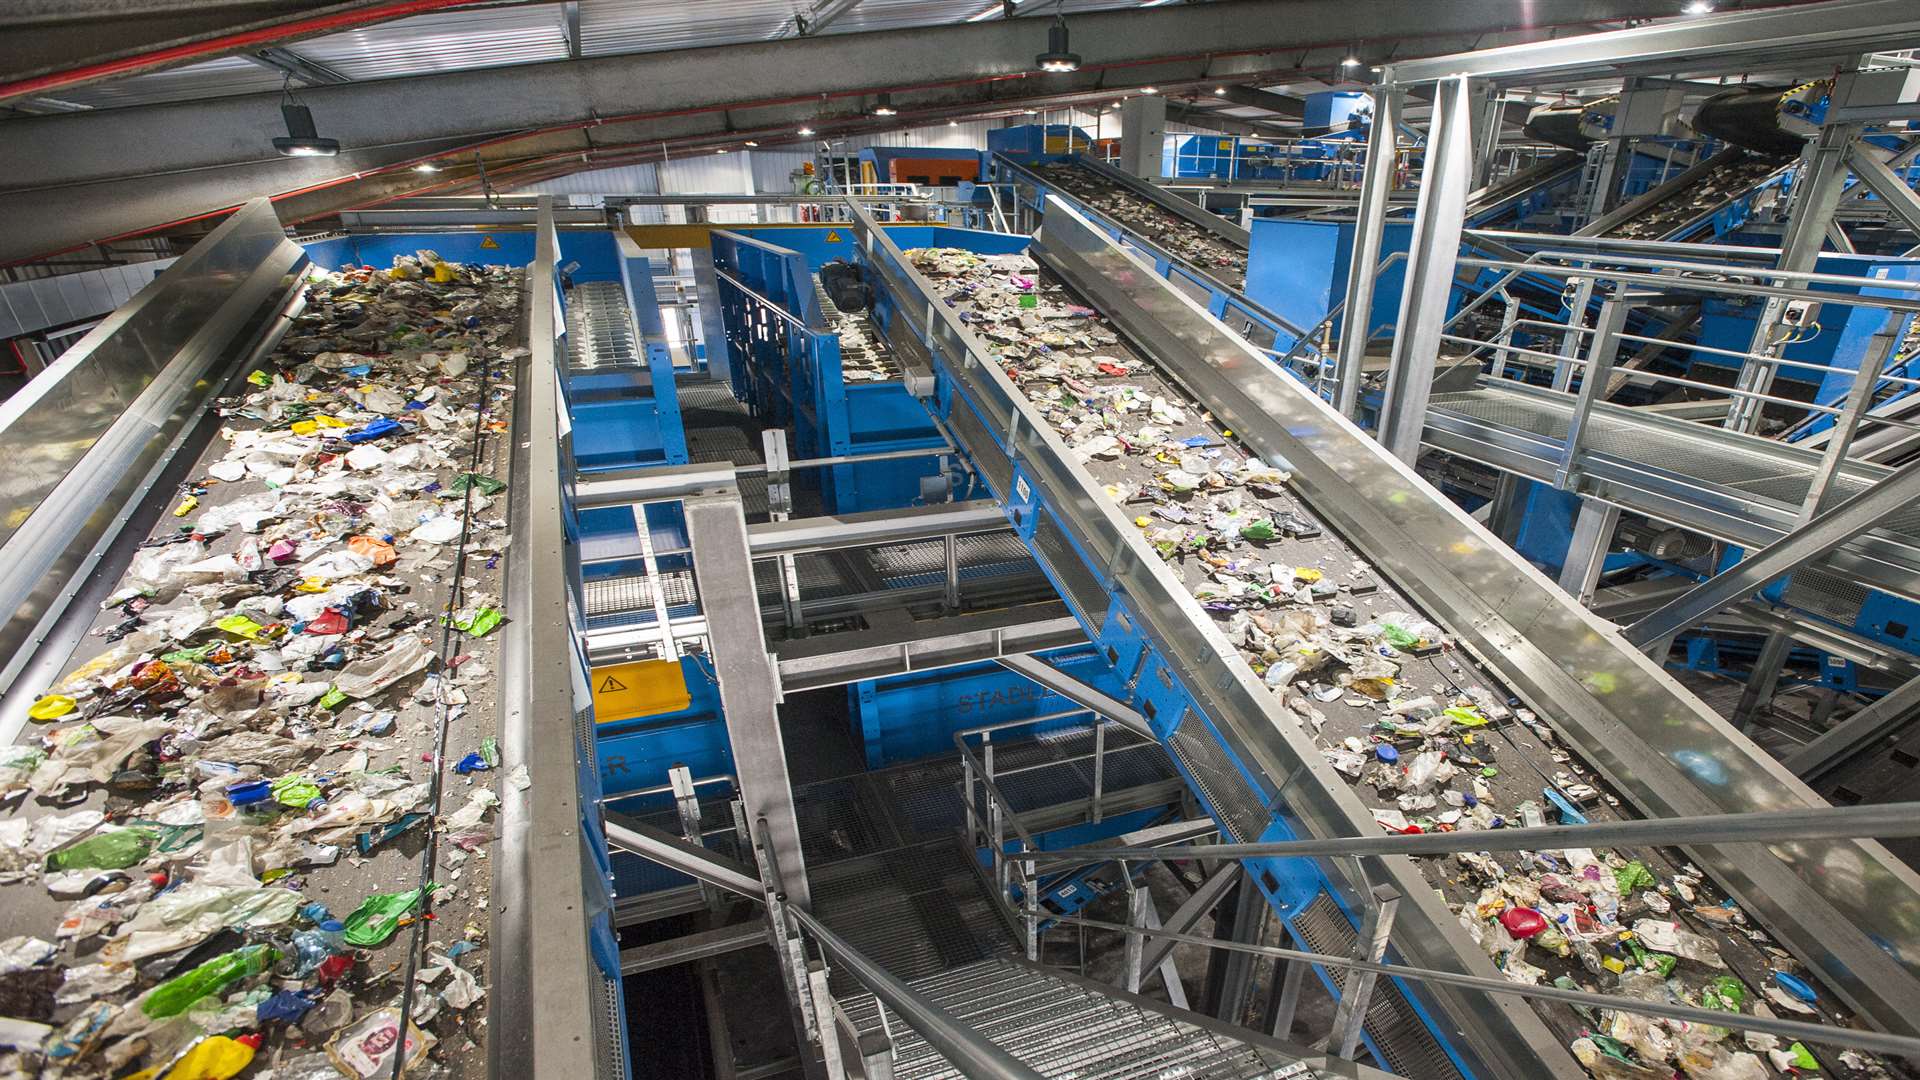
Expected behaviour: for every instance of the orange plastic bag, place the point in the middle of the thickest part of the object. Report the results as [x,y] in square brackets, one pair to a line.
[378,550]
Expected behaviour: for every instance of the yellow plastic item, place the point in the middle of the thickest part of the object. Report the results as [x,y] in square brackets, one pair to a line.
[303,427]
[330,422]
[312,585]
[214,1058]
[186,506]
[643,688]
[442,273]
[1307,574]
[51,707]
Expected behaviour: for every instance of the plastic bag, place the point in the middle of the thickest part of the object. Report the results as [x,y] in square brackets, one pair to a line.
[378,916]
[365,678]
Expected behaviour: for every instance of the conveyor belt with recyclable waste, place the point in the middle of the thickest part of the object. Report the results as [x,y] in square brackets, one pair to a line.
[1317,669]
[250,825]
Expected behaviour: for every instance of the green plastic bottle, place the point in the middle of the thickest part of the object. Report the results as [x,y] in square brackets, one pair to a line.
[178,994]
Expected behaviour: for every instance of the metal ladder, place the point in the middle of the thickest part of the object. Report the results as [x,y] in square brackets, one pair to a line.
[1066,1028]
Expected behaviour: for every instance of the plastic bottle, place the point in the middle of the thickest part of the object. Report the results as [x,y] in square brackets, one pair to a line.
[313,947]
[178,994]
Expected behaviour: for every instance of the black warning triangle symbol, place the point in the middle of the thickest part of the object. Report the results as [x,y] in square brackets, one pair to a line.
[612,684]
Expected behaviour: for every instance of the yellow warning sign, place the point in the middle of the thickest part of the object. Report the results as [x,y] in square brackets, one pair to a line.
[643,688]
[833,236]
[489,243]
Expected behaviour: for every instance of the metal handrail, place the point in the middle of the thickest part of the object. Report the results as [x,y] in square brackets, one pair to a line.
[1887,820]
[1804,1031]
[965,1047]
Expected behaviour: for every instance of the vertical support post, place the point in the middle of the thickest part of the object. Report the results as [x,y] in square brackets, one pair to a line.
[686,801]
[1587,551]
[1030,905]
[1509,507]
[951,597]
[1593,388]
[1764,679]
[1431,264]
[1486,132]
[1509,319]
[749,684]
[1230,973]
[1376,186]
[1351,1014]
[1574,336]
[1099,768]
[1284,998]
[1823,177]
[1139,901]
[1143,134]
[967,790]
[824,1023]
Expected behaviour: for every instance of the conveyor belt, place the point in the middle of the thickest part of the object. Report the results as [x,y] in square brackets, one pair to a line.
[1138,212]
[1380,507]
[1524,758]
[1738,488]
[1675,208]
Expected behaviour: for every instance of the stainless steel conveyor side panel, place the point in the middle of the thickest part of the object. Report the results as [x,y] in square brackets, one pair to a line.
[1499,1037]
[1850,911]
[86,438]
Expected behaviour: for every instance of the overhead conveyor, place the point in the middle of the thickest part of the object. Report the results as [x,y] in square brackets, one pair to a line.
[1839,907]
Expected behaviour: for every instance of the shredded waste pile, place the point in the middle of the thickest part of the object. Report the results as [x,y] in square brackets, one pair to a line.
[1172,233]
[1428,740]
[248,830]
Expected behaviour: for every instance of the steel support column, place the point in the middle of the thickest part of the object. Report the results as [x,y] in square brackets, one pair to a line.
[1587,551]
[1431,261]
[1229,973]
[1376,189]
[1878,177]
[749,684]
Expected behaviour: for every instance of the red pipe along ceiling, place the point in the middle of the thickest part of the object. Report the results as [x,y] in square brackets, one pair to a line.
[266,35]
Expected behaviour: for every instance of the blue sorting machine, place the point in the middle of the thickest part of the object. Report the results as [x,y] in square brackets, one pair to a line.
[785,367]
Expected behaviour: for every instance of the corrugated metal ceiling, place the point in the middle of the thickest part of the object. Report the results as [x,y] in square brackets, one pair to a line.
[496,36]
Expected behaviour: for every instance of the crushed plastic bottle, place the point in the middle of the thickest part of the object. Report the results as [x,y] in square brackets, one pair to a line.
[178,994]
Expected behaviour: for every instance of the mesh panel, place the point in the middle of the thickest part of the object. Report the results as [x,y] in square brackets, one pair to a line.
[1240,811]
[987,455]
[1082,585]
[1395,1030]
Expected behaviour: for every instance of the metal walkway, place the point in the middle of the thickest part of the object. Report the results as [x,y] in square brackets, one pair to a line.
[1738,488]
[1064,1027]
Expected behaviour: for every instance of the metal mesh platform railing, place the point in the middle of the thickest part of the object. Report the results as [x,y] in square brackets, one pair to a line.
[1751,467]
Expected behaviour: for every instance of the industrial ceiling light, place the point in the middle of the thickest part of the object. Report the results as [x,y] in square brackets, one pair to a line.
[749,142]
[426,166]
[722,150]
[1699,7]
[1031,112]
[953,123]
[1219,91]
[1350,61]
[1058,58]
[1149,90]
[883,106]
[805,130]
[301,139]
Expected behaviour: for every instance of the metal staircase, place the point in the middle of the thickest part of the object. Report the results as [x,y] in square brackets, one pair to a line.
[1064,1027]
[600,332]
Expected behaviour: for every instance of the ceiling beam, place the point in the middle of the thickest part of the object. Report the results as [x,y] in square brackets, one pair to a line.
[72,178]
[1286,105]
[304,71]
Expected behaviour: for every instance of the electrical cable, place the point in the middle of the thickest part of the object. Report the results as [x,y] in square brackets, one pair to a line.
[430,853]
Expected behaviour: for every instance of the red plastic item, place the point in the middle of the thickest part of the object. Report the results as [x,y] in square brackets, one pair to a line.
[332,968]
[1523,922]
